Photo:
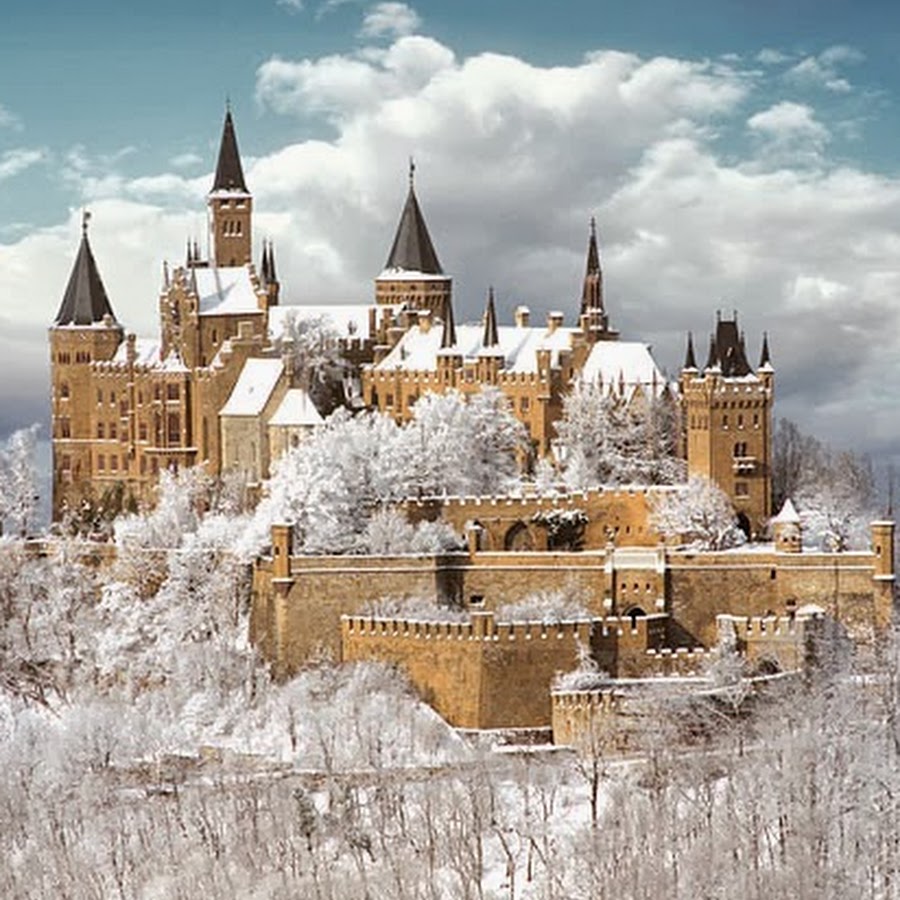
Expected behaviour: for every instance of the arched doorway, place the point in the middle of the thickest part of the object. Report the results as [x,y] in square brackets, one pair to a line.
[518,538]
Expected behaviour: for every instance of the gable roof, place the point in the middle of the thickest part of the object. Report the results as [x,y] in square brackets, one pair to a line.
[225,290]
[296,409]
[254,387]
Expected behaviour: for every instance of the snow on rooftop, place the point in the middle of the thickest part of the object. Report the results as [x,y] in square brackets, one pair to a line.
[419,349]
[788,514]
[297,409]
[254,387]
[410,275]
[146,350]
[226,291]
[628,361]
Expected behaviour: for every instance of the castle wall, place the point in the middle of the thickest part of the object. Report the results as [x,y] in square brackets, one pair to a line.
[476,674]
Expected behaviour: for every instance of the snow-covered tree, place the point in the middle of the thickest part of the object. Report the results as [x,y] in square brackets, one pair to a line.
[18,480]
[604,439]
[312,347]
[389,532]
[698,513]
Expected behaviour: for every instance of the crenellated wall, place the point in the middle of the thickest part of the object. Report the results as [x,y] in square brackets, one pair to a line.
[476,674]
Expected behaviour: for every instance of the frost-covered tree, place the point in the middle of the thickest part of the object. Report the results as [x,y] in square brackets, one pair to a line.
[389,532]
[331,486]
[312,347]
[698,513]
[18,480]
[605,440]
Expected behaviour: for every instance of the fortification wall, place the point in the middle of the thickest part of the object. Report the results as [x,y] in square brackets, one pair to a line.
[476,674]
[701,586]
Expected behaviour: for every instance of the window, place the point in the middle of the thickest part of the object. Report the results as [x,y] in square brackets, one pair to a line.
[101,462]
[112,398]
[157,392]
[756,420]
[64,390]
[143,465]
[140,398]
[741,489]
[171,392]
[740,449]
[112,431]
[154,465]
[66,462]
[65,429]
[388,399]
[100,433]
[524,403]
[741,420]
[99,396]
[725,421]
[173,429]
[113,463]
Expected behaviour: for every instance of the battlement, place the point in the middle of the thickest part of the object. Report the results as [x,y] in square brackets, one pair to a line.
[678,661]
[482,626]
[768,626]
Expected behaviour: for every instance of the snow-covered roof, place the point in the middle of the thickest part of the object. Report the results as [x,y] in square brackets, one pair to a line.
[788,514]
[225,291]
[350,320]
[296,409]
[611,362]
[419,349]
[410,275]
[146,352]
[254,387]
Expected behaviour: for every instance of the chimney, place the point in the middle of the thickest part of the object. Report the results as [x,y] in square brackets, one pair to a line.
[424,320]
[554,321]
[522,314]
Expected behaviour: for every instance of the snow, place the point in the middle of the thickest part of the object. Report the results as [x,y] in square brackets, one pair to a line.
[296,409]
[409,275]
[788,514]
[226,291]
[147,352]
[254,387]
[418,350]
[610,362]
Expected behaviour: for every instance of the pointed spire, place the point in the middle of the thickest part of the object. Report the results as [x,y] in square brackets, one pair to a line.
[264,264]
[229,172]
[712,361]
[412,250]
[448,336]
[188,253]
[196,251]
[490,337]
[273,275]
[690,360]
[85,301]
[765,358]
[592,291]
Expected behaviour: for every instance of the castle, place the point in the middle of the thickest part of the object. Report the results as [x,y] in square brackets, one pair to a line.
[215,389]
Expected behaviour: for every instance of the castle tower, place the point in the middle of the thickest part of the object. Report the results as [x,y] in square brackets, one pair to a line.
[449,357]
[412,273]
[84,332]
[594,318]
[727,416]
[230,205]
[787,529]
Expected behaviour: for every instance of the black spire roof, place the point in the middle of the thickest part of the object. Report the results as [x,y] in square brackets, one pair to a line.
[412,250]
[490,337]
[85,301]
[229,173]
[729,346]
[592,292]
[690,360]
[765,358]
[448,336]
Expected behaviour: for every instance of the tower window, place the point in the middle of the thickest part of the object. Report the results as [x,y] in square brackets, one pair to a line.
[741,489]
[65,429]
[725,421]
[66,462]
[99,396]
[64,390]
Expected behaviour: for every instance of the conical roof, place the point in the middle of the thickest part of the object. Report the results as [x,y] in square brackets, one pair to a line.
[490,337]
[412,250]
[690,360]
[85,301]
[592,291]
[229,172]
[448,335]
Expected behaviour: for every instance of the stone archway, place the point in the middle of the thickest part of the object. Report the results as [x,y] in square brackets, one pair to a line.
[518,538]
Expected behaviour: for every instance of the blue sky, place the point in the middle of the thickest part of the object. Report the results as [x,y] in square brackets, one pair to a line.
[737,155]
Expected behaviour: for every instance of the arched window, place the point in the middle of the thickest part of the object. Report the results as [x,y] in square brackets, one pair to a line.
[518,538]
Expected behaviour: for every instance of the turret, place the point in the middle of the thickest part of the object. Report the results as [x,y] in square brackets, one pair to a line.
[412,274]
[787,530]
[230,205]
[490,356]
[594,319]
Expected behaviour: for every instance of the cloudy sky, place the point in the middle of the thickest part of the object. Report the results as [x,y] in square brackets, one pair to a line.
[738,154]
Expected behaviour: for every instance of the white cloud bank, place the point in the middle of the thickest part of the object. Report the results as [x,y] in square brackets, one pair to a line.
[512,160]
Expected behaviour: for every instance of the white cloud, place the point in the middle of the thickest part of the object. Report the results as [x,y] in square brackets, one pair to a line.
[186,160]
[291,5]
[9,119]
[822,70]
[390,20]
[769,56]
[13,162]
[513,158]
